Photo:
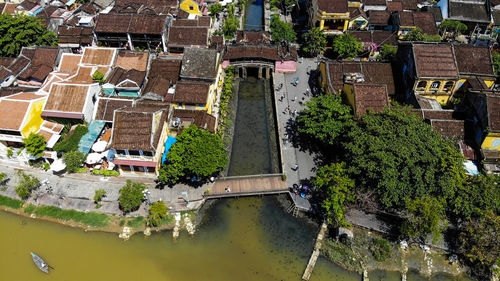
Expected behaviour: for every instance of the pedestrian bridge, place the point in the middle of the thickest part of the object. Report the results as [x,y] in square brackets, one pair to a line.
[247,186]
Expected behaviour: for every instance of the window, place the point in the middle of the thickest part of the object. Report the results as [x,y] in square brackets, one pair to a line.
[134,152]
[422,85]
[147,153]
[435,85]
[191,8]
[120,151]
[448,86]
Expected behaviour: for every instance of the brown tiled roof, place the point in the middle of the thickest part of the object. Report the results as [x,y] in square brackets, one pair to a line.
[83,75]
[188,36]
[10,8]
[406,18]
[113,23]
[132,60]
[28,5]
[4,73]
[191,92]
[473,60]
[69,63]
[426,22]
[354,12]
[379,37]
[493,101]
[375,2]
[75,34]
[362,36]
[468,11]
[158,86]
[147,24]
[379,17]
[169,69]
[333,6]
[200,63]
[8,91]
[42,63]
[141,136]
[369,97]
[253,37]
[449,128]
[98,56]
[119,75]
[476,83]
[66,98]
[434,60]
[107,106]
[200,118]
[410,4]
[217,42]
[12,113]
[394,6]
[268,52]
[5,62]
[181,14]
[19,65]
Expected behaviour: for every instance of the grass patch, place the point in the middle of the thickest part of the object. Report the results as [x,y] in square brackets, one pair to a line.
[122,222]
[380,248]
[29,209]
[11,202]
[136,222]
[167,220]
[340,253]
[90,218]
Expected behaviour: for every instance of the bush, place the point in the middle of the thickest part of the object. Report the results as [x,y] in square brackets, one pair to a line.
[27,183]
[380,249]
[98,77]
[387,52]
[131,196]
[73,160]
[99,194]
[9,152]
[10,202]
[136,222]
[71,142]
[35,144]
[29,209]
[3,178]
[157,212]
[90,218]
[46,166]
[106,173]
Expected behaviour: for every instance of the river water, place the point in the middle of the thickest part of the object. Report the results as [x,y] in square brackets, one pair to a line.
[254,15]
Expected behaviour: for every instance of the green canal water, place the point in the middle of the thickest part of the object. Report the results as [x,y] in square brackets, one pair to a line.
[238,239]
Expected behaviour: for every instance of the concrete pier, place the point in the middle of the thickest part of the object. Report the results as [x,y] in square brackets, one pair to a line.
[315,253]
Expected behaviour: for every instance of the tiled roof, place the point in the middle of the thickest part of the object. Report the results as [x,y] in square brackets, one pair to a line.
[98,56]
[118,75]
[467,11]
[200,63]
[19,65]
[200,118]
[269,52]
[132,60]
[379,17]
[66,98]
[435,11]
[5,62]
[187,36]
[158,86]
[169,69]
[355,12]
[113,23]
[369,97]
[449,128]
[130,23]
[69,62]
[435,60]
[42,63]
[426,22]
[107,106]
[253,37]
[394,6]
[10,8]
[74,34]
[333,6]
[201,21]
[410,4]
[375,2]
[191,92]
[379,37]
[493,101]
[12,113]
[473,60]
[4,73]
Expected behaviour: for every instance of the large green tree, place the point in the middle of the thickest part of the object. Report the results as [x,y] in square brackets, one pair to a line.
[387,52]
[157,212]
[27,183]
[73,160]
[131,196]
[424,216]
[325,118]
[314,41]
[453,26]
[336,189]
[197,153]
[35,144]
[401,158]
[281,31]
[346,46]
[215,9]
[480,193]
[17,31]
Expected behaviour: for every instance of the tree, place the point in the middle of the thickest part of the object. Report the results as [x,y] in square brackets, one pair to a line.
[157,212]
[314,41]
[98,77]
[73,160]
[35,144]
[346,46]
[215,9]
[495,55]
[400,157]
[3,178]
[479,242]
[336,188]
[131,196]
[27,183]
[387,52]
[281,31]
[424,216]
[416,34]
[230,26]
[17,31]
[325,118]
[453,26]
[480,193]
[99,194]
[196,154]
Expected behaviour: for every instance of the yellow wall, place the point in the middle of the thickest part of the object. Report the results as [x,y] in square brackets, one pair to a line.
[322,70]
[441,95]
[348,91]
[33,118]
[488,142]
[186,5]
[362,26]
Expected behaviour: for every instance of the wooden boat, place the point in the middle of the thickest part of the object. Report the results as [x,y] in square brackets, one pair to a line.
[40,263]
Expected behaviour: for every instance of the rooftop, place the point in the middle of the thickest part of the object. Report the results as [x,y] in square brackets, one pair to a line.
[199,117]
[473,60]
[468,11]
[107,106]
[191,92]
[333,6]
[132,60]
[370,97]
[98,56]
[435,60]
[187,36]
[67,98]
[200,63]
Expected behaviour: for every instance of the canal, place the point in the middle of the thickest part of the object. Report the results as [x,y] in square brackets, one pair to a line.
[254,15]
[255,148]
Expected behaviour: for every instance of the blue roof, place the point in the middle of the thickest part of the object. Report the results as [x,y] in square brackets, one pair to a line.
[168,145]
[90,137]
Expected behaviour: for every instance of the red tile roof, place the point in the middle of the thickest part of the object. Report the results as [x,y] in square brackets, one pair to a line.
[435,60]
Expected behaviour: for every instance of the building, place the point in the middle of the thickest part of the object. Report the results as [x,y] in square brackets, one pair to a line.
[365,97]
[190,6]
[331,16]
[407,21]
[163,74]
[358,20]
[186,33]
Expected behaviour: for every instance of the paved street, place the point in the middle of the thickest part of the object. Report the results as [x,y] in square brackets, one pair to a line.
[288,107]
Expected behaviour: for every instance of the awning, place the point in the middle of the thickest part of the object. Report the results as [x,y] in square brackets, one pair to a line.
[135,163]
[168,145]
[91,136]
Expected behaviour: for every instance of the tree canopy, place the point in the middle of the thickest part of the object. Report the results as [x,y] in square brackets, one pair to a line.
[336,188]
[346,46]
[325,118]
[314,41]
[73,160]
[18,31]
[281,31]
[197,153]
[157,212]
[27,183]
[215,9]
[453,26]
[131,196]
[35,144]
[416,34]
[387,52]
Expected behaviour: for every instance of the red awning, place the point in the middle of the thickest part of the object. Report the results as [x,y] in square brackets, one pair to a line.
[135,163]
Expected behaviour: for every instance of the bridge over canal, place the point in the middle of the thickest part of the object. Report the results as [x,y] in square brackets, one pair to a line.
[247,186]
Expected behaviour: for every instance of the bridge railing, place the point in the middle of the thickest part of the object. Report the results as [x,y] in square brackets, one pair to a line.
[250,176]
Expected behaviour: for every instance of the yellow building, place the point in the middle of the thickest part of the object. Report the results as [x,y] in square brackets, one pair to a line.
[190,6]
[331,16]
[20,116]
[364,97]
[358,20]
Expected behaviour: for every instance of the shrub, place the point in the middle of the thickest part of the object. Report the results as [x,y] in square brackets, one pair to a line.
[35,144]
[380,249]
[283,177]
[387,52]
[10,202]
[73,160]
[131,196]
[71,143]
[27,183]
[46,166]
[157,212]
[3,178]
[99,194]
[29,209]
[98,77]
[106,173]
[136,222]
[9,152]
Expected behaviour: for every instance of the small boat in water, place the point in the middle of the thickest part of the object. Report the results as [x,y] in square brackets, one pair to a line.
[40,263]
